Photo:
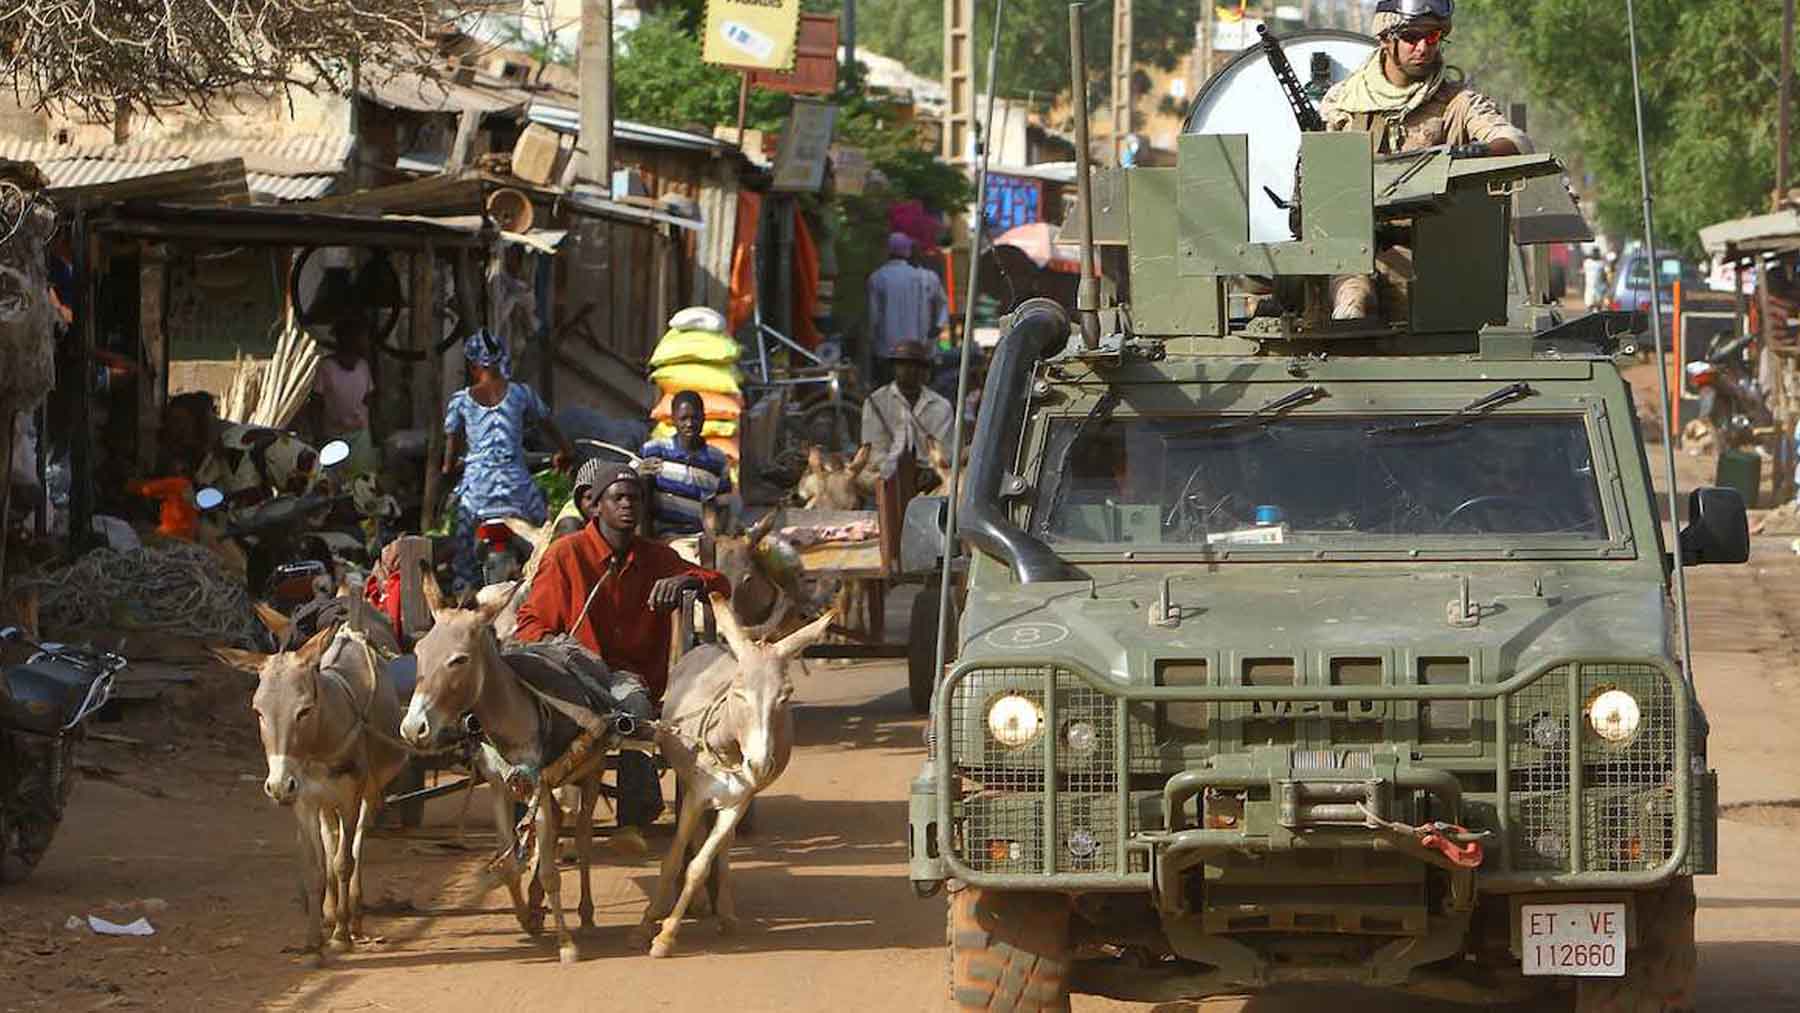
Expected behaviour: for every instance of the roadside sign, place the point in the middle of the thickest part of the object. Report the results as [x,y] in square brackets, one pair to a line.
[815,60]
[805,145]
[751,34]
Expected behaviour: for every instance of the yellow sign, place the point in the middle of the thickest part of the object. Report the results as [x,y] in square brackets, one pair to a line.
[757,34]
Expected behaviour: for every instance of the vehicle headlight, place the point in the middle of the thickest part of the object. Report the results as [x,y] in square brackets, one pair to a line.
[1081,737]
[1615,716]
[1014,721]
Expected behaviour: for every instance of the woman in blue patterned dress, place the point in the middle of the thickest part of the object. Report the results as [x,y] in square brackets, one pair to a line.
[486,423]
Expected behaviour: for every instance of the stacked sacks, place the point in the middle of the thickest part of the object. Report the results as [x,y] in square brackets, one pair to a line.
[696,354]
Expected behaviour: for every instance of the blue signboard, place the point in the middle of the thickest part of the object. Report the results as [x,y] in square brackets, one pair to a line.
[1013,201]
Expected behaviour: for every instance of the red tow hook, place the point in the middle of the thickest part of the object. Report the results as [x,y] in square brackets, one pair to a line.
[1466,853]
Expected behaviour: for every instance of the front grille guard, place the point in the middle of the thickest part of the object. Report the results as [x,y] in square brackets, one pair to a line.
[1133,856]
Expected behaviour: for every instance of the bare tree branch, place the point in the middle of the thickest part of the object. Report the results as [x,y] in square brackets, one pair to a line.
[101,56]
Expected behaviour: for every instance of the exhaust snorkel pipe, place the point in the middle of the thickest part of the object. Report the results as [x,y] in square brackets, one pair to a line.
[1040,328]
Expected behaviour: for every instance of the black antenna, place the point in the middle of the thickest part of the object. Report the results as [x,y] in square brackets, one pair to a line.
[1662,374]
[953,547]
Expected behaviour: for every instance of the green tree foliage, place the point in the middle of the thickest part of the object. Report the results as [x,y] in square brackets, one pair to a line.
[1710,76]
[658,78]
[1034,41]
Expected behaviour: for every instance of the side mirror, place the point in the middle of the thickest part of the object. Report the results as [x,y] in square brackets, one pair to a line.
[334,453]
[209,498]
[1718,529]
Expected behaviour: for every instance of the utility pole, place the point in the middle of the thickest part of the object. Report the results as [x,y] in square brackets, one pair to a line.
[596,92]
[1784,117]
[1124,96]
[1306,12]
[1205,53]
[850,38]
[959,80]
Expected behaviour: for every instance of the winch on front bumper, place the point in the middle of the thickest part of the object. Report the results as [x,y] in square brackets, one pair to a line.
[1045,777]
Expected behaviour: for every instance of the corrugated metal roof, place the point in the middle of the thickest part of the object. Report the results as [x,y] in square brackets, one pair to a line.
[307,154]
[421,93]
[568,121]
[289,187]
[221,182]
[295,168]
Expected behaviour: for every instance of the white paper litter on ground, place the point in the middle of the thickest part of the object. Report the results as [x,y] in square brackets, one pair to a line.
[101,926]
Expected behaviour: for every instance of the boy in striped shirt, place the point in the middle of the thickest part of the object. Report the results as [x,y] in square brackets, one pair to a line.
[686,471]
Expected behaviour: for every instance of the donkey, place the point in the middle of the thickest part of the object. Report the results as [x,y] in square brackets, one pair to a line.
[461,671]
[830,483]
[938,457]
[728,735]
[322,711]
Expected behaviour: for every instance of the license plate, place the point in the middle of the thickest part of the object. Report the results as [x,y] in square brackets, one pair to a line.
[1573,940]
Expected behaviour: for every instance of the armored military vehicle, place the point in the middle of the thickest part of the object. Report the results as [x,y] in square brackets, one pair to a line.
[1297,649]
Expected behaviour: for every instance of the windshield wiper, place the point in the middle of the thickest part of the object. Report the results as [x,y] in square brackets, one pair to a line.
[1478,408]
[1285,403]
[1101,412]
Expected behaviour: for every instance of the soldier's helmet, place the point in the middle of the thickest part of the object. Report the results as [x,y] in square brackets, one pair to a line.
[1393,15]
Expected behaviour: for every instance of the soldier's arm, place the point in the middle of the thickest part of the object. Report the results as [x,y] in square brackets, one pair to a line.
[1483,122]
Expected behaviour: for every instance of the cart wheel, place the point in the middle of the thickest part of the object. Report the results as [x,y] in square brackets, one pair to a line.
[921,649]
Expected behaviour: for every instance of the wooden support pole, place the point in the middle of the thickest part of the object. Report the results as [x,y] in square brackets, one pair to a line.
[959,80]
[596,91]
[1784,118]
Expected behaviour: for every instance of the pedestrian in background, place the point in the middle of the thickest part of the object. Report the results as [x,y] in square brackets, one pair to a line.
[344,387]
[1593,281]
[906,303]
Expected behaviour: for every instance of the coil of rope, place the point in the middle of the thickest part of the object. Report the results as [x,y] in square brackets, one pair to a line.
[176,588]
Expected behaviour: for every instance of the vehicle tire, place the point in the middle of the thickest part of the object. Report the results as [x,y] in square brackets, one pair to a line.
[921,649]
[1659,974]
[1009,951]
[34,808]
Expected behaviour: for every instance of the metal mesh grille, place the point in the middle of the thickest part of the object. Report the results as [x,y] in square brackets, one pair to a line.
[1628,789]
[1087,800]
[1538,730]
[1001,808]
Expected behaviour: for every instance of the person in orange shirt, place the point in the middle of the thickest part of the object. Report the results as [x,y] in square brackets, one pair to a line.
[616,594]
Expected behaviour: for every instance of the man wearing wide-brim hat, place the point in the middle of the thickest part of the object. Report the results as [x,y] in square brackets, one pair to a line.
[900,418]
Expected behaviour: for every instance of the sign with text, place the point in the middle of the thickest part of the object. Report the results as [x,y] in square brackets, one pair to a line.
[805,146]
[751,34]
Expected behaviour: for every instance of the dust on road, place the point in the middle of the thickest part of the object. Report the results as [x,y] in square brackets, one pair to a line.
[829,921]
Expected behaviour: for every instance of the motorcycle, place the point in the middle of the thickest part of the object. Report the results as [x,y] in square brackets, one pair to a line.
[293,548]
[1730,400]
[44,706]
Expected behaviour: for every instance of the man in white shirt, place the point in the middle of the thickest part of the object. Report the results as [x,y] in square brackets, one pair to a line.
[1593,279]
[897,418]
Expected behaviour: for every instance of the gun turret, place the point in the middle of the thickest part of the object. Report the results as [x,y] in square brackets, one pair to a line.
[1304,114]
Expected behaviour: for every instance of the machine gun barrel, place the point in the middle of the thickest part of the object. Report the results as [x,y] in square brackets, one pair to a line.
[1304,114]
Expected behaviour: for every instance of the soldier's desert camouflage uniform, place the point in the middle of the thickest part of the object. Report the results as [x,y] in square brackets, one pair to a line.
[1455,115]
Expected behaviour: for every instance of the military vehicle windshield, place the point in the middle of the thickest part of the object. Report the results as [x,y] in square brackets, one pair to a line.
[1377,481]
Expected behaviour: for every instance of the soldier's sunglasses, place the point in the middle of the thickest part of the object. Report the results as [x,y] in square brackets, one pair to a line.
[1422,36]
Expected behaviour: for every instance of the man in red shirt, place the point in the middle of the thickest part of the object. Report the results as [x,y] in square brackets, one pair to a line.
[616,593]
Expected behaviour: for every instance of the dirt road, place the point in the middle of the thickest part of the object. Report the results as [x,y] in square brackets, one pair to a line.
[829,920]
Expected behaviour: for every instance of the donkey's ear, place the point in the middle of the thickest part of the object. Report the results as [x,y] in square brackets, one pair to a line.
[435,599]
[760,530]
[712,520]
[249,662]
[276,623]
[861,460]
[796,643]
[311,651]
[815,458]
[730,629]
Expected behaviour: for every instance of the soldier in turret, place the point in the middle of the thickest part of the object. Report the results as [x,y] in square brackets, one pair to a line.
[1405,98]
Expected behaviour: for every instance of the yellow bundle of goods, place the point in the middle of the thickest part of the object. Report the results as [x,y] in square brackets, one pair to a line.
[664,429]
[696,376]
[719,407]
[677,347]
